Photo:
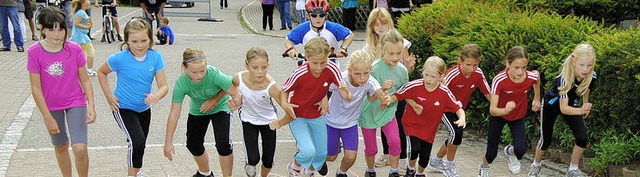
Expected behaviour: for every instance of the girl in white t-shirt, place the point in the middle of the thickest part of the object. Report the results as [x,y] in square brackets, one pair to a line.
[302,13]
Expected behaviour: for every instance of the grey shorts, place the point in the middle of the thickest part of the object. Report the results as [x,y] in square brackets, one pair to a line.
[75,123]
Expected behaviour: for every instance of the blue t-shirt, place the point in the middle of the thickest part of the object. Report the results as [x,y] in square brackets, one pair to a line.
[135,78]
[166,31]
[79,35]
[333,32]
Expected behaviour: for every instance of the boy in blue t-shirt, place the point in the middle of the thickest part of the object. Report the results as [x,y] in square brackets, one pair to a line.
[164,33]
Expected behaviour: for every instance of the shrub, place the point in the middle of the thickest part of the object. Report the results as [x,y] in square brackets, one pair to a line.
[607,11]
[443,28]
[615,148]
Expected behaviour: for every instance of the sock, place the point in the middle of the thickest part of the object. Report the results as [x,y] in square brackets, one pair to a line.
[89,69]
[411,168]
[450,162]
[393,170]
[339,171]
[205,173]
[482,165]
[537,164]
[371,170]
[419,173]
[509,147]
[293,166]
[573,167]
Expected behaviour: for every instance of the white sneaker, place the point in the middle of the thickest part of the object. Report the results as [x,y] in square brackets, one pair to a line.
[141,174]
[451,170]
[383,160]
[91,73]
[483,171]
[250,170]
[402,166]
[436,165]
[576,173]
[534,171]
[514,163]
[293,172]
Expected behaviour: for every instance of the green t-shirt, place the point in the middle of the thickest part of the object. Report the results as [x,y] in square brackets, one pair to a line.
[372,116]
[212,83]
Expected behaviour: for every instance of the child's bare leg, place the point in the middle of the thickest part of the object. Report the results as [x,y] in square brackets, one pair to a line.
[265,171]
[348,160]
[90,62]
[226,164]
[64,159]
[131,171]
[82,159]
[203,161]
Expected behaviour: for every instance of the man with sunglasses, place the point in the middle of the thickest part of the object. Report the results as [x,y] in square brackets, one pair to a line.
[318,25]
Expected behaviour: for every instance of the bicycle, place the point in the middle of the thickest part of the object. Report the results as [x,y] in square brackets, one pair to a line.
[107,24]
[301,58]
[46,3]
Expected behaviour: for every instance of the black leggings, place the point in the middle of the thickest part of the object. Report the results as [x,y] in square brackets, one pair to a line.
[267,16]
[518,134]
[455,132]
[549,114]
[419,148]
[135,126]
[197,128]
[403,141]
[250,133]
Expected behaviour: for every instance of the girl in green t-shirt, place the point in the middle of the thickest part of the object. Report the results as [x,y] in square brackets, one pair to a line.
[207,87]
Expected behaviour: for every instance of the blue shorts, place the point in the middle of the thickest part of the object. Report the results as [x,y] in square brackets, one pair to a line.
[349,138]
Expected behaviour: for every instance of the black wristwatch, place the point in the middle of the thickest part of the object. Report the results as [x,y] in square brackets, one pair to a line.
[343,48]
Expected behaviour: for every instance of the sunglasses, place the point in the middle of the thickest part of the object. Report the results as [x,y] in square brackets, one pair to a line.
[322,15]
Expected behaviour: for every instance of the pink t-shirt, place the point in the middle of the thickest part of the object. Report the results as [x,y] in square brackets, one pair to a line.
[58,75]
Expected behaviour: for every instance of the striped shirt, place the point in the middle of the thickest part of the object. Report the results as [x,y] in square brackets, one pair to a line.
[434,104]
[307,90]
[507,90]
[463,87]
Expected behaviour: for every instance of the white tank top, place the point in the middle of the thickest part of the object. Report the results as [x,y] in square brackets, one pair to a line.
[257,106]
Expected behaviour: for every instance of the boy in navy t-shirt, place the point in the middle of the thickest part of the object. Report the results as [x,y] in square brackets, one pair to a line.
[164,33]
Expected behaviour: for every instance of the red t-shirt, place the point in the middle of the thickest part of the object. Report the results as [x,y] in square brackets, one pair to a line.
[434,104]
[463,87]
[307,90]
[507,91]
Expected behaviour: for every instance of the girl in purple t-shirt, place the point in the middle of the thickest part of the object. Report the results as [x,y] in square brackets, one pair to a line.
[60,86]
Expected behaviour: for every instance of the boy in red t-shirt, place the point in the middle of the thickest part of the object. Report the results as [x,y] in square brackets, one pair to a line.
[429,94]
[305,93]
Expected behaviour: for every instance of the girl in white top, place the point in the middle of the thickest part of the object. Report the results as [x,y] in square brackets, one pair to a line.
[302,13]
[342,120]
[257,110]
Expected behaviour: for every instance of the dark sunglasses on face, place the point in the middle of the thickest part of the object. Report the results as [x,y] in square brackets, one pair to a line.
[322,15]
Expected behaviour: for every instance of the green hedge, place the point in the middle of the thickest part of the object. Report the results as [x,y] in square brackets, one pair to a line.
[608,11]
[444,27]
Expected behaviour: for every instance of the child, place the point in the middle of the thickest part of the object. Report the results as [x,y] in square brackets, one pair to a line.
[436,99]
[342,120]
[60,86]
[461,79]
[378,24]
[164,33]
[308,85]
[205,85]
[114,16]
[509,93]
[575,80]
[385,69]
[257,111]
[349,8]
[136,67]
[267,13]
[79,33]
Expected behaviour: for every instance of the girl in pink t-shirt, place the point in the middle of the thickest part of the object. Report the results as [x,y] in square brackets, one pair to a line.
[60,86]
